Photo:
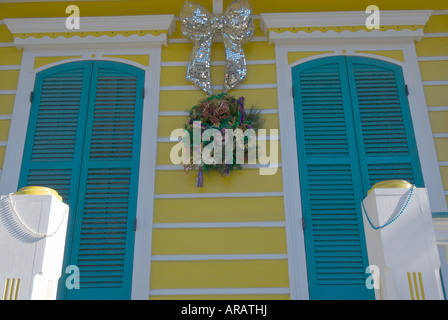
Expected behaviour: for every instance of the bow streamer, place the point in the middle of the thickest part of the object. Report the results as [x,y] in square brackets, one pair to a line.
[199,26]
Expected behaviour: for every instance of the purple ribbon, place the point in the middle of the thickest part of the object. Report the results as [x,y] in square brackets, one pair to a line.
[200,179]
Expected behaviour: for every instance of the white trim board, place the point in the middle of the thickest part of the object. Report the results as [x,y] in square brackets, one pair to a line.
[436,35]
[211,291]
[434,58]
[218,195]
[244,166]
[220,87]
[212,225]
[202,257]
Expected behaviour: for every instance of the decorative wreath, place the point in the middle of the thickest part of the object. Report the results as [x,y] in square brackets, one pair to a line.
[220,112]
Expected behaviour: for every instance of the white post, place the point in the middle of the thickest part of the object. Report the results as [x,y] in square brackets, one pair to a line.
[401,241]
[32,240]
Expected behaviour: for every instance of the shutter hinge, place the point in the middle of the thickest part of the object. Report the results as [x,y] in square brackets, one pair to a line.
[135,224]
[293,92]
[31,96]
[303,223]
[406,90]
[143,93]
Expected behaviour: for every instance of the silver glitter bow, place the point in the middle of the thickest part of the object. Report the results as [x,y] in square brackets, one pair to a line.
[237,27]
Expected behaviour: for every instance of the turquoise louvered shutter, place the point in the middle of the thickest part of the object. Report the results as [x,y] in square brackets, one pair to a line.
[55,135]
[330,184]
[386,141]
[353,129]
[104,240]
[104,179]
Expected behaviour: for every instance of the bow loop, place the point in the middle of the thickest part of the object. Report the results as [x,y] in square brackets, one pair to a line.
[196,22]
[199,26]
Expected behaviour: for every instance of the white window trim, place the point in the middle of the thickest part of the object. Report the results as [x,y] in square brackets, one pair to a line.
[95,50]
[343,43]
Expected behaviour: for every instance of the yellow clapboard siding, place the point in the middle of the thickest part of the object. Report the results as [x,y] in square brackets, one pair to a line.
[164,149]
[169,123]
[444,173]
[142,59]
[437,23]
[177,52]
[247,180]
[255,50]
[441,148]
[432,47]
[223,297]
[2,156]
[256,74]
[295,56]
[439,121]
[218,241]
[446,198]
[7,103]
[163,153]
[218,210]
[42,61]
[5,34]
[393,54]
[436,95]
[10,56]
[4,129]
[219,274]
[434,70]
[178,31]
[181,100]
[9,79]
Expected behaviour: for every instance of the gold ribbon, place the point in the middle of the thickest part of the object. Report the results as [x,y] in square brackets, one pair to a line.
[199,26]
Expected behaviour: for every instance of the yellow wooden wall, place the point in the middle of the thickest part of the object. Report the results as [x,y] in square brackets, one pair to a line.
[222,232]
[432,52]
[10,60]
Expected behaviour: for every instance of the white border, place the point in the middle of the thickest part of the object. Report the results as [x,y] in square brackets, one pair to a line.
[145,199]
[291,187]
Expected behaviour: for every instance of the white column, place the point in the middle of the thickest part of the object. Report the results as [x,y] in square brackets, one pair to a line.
[32,240]
[404,246]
